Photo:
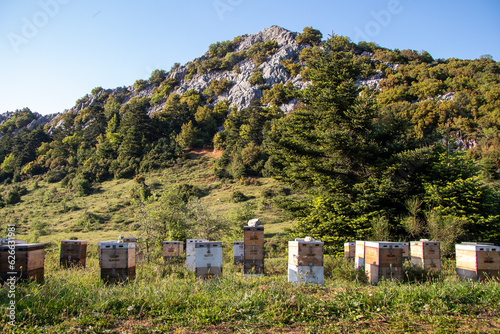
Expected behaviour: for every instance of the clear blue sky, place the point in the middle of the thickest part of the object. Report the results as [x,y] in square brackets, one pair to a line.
[53,52]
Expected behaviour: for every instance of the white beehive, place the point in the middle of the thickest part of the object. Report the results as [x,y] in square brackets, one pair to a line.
[305,261]
[208,259]
[359,260]
[239,251]
[349,250]
[190,252]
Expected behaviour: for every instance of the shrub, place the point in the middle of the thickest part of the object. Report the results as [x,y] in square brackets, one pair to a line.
[292,68]
[157,76]
[217,87]
[261,50]
[139,85]
[238,196]
[279,94]
[81,185]
[256,78]
[309,36]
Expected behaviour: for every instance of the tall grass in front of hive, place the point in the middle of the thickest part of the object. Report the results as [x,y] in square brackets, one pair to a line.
[168,298]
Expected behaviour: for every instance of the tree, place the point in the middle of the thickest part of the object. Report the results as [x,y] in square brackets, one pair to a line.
[309,36]
[188,136]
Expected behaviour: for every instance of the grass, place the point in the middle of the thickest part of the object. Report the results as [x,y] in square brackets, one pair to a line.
[168,299]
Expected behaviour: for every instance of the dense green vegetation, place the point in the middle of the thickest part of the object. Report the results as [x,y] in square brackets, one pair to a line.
[398,162]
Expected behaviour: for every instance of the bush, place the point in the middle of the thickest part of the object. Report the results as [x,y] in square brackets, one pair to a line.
[217,87]
[292,68]
[256,78]
[309,36]
[81,185]
[157,76]
[238,196]
[139,85]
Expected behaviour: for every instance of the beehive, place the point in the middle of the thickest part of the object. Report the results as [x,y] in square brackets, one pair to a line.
[383,260]
[208,259]
[190,253]
[350,250]
[8,241]
[172,251]
[406,250]
[73,252]
[359,260]
[426,254]
[253,257]
[25,261]
[305,261]
[477,261]
[239,251]
[117,261]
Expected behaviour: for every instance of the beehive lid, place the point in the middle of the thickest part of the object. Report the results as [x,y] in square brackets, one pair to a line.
[383,244]
[349,243]
[238,243]
[111,244]
[207,244]
[477,247]
[172,242]
[74,242]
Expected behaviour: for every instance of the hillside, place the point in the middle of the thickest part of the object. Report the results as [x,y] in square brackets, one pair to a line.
[367,142]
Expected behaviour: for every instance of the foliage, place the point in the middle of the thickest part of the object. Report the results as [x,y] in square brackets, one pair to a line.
[309,36]
[292,67]
[256,78]
[217,87]
[279,94]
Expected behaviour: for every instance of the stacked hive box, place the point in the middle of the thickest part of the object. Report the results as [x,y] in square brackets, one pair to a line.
[172,251]
[383,260]
[477,261]
[426,254]
[190,253]
[25,261]
[139,254]
[253,257]
[117,261]
[350,250]
[305,261]
[208,259]
[406,250]
[359,261]
[73,252]
[239,252]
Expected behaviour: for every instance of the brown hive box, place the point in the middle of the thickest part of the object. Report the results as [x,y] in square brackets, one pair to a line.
[383,260]
[253,235]
[172,251]
[73,252]
[477,261]
[305,253]
[25,261]
[426,254]
[253,267]
[117,261]
[349,250]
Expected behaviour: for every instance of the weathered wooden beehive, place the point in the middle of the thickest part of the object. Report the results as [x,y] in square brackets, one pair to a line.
[173,251]
[8,241]
[208,259]
[305,261]
[117,260]
[383,260]
[426,254]
[477,261]
[406,250]
[73,252]
[24,261]
[253,253]
[239,252]
[190,253]
[349,250]
[359,260]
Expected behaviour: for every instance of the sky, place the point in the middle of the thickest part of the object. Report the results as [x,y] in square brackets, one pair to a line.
[53,52]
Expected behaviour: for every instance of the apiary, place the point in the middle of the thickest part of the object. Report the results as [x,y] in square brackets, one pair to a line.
[383,260]
[238,251]
[359,260]
[117,261]
[208,259]
[253,252]
[190,253]
[349,250]
[305,261]
[426,254]
[477,261]
[73,252]
[172,251]
[25,261]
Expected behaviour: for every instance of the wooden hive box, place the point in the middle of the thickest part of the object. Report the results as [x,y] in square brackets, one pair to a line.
[426,254]
[208,259]
[73,252]
[349,250]
[406,250]
[24,261]
[477,261]
[383,260]
[253,235]
[117,261]
[238,251]
[173,251]
[359,260]
[190,253]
